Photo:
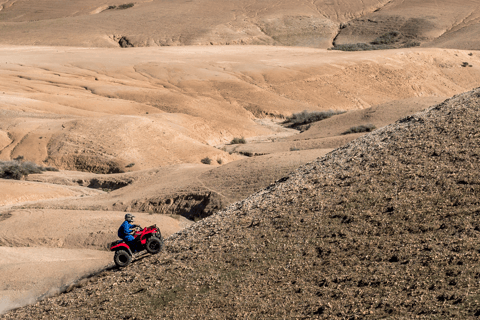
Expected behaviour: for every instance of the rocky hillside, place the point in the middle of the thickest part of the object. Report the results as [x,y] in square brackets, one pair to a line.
[387,226]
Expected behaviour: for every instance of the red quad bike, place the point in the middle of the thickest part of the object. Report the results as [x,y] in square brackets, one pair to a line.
[148,238]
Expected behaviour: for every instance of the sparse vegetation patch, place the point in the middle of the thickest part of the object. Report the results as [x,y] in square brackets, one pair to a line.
[359,47]
[238,141]
[206,160]
[17,169]
[362,128]
[121,7]
[389,40]
[247,153]
[410,44]
[306,117]
[126,6]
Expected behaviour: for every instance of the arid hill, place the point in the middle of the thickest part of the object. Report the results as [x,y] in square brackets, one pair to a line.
[443,24]
[386,226]
[320,24]
[100,110]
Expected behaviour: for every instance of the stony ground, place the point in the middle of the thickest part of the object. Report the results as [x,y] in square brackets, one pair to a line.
[385,227]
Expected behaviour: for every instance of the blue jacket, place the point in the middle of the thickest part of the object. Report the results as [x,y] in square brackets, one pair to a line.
[125,230]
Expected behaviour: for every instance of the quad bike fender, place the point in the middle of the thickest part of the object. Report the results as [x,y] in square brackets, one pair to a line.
[149,232]
[122,246]
[144,239]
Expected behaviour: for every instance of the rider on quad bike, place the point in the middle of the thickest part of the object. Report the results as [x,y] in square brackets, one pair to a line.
[126,231]
[136,240]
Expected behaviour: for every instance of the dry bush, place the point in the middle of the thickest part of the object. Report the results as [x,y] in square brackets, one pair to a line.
[126,6]
[238,141]
[387,38]
[206,160]
[17,169]
[411,44]
[305,116]
[360,47]
[120,7]
[362,128]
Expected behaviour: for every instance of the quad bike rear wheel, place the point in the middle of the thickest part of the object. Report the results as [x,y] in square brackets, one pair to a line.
[154,245]
[122,258]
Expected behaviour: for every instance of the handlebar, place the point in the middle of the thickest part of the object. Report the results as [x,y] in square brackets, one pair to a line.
[137,228]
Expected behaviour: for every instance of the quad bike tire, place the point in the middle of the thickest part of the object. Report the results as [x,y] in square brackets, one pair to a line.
[122,258]
[154,245]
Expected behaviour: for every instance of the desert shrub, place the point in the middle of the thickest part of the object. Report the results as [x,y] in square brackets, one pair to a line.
[353,47]
[294,149]
[126,6]
[17,170]
[130,165]
[238,141]
[386,41]
[361,47]
[247,153]
[305,116]
[219,161]
[466,64]
[206,160]
[387,38]
[121,7]
[411,44]
[362,128]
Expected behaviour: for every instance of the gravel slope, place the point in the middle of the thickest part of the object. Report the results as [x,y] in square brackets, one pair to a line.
[386,226]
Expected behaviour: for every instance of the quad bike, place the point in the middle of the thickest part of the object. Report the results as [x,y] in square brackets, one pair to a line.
[148,238]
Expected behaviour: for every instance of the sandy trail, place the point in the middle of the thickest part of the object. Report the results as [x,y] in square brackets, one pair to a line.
[27,273]
[14,192]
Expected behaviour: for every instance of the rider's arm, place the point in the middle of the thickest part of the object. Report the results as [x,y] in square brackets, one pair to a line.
[126,228]
[131,228]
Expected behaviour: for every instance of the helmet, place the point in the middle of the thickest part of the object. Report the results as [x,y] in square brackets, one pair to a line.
[129,217]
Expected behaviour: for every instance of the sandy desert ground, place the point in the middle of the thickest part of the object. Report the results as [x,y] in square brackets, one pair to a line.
[128,103]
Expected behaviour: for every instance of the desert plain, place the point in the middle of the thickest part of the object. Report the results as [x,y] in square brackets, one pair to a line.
[140,107]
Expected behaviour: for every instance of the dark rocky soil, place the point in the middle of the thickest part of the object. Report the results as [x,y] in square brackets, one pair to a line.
[386,227]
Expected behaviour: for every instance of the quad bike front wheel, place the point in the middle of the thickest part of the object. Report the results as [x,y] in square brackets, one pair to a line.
[122,258]
[154,245]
